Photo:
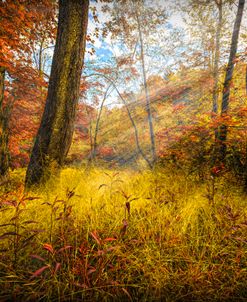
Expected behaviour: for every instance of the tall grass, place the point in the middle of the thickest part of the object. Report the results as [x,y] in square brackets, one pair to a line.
[124,236]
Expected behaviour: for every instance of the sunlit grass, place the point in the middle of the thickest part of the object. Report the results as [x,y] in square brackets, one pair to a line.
[124,235]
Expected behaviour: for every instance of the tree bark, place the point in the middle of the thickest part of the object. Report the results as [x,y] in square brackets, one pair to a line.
[55,133]
[222,136]
[246,79]
[4,130]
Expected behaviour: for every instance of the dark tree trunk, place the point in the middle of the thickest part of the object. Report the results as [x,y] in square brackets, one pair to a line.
[4,130]
[245,171]
[246,79]
[222,136]
[55,133]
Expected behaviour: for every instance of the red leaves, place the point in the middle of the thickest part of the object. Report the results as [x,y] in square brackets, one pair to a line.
[109,239]
[216,170]
[95,236]
[40,271]
[52,251]
[37,257]
[57,267]
[53,267]
[67,247]
[105,151]
[91,270]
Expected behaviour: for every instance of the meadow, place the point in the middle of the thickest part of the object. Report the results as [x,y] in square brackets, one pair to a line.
[124,235]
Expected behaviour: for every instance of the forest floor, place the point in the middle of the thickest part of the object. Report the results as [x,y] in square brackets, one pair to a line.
[124,235]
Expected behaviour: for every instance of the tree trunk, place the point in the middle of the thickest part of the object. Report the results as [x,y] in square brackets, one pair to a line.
[55,133]
[4,130]
[95,143]
[217,58]
[245,171]
[228,78]
[148,106]
[90,131]
[246,79]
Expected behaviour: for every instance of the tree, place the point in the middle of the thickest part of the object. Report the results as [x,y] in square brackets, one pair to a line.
[222,136]
[18,21]
[4,153]
[126,106]
[148,105]
[44,35]
[94,141]
[132,23]
[219,5]
[55,133]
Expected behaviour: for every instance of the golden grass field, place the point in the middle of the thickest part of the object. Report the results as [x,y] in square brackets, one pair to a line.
[103,235]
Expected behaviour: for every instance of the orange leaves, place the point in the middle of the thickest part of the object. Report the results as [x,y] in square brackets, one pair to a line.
[48,247]
[24,24]
[194,138]
[109,239]
[228,120]
[178,107]
[242,112]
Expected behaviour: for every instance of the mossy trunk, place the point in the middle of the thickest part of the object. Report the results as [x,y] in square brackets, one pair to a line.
[4,131]
[246,79]
[55,133]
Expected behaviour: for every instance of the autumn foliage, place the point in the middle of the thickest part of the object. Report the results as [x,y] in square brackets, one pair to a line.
[24,26]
